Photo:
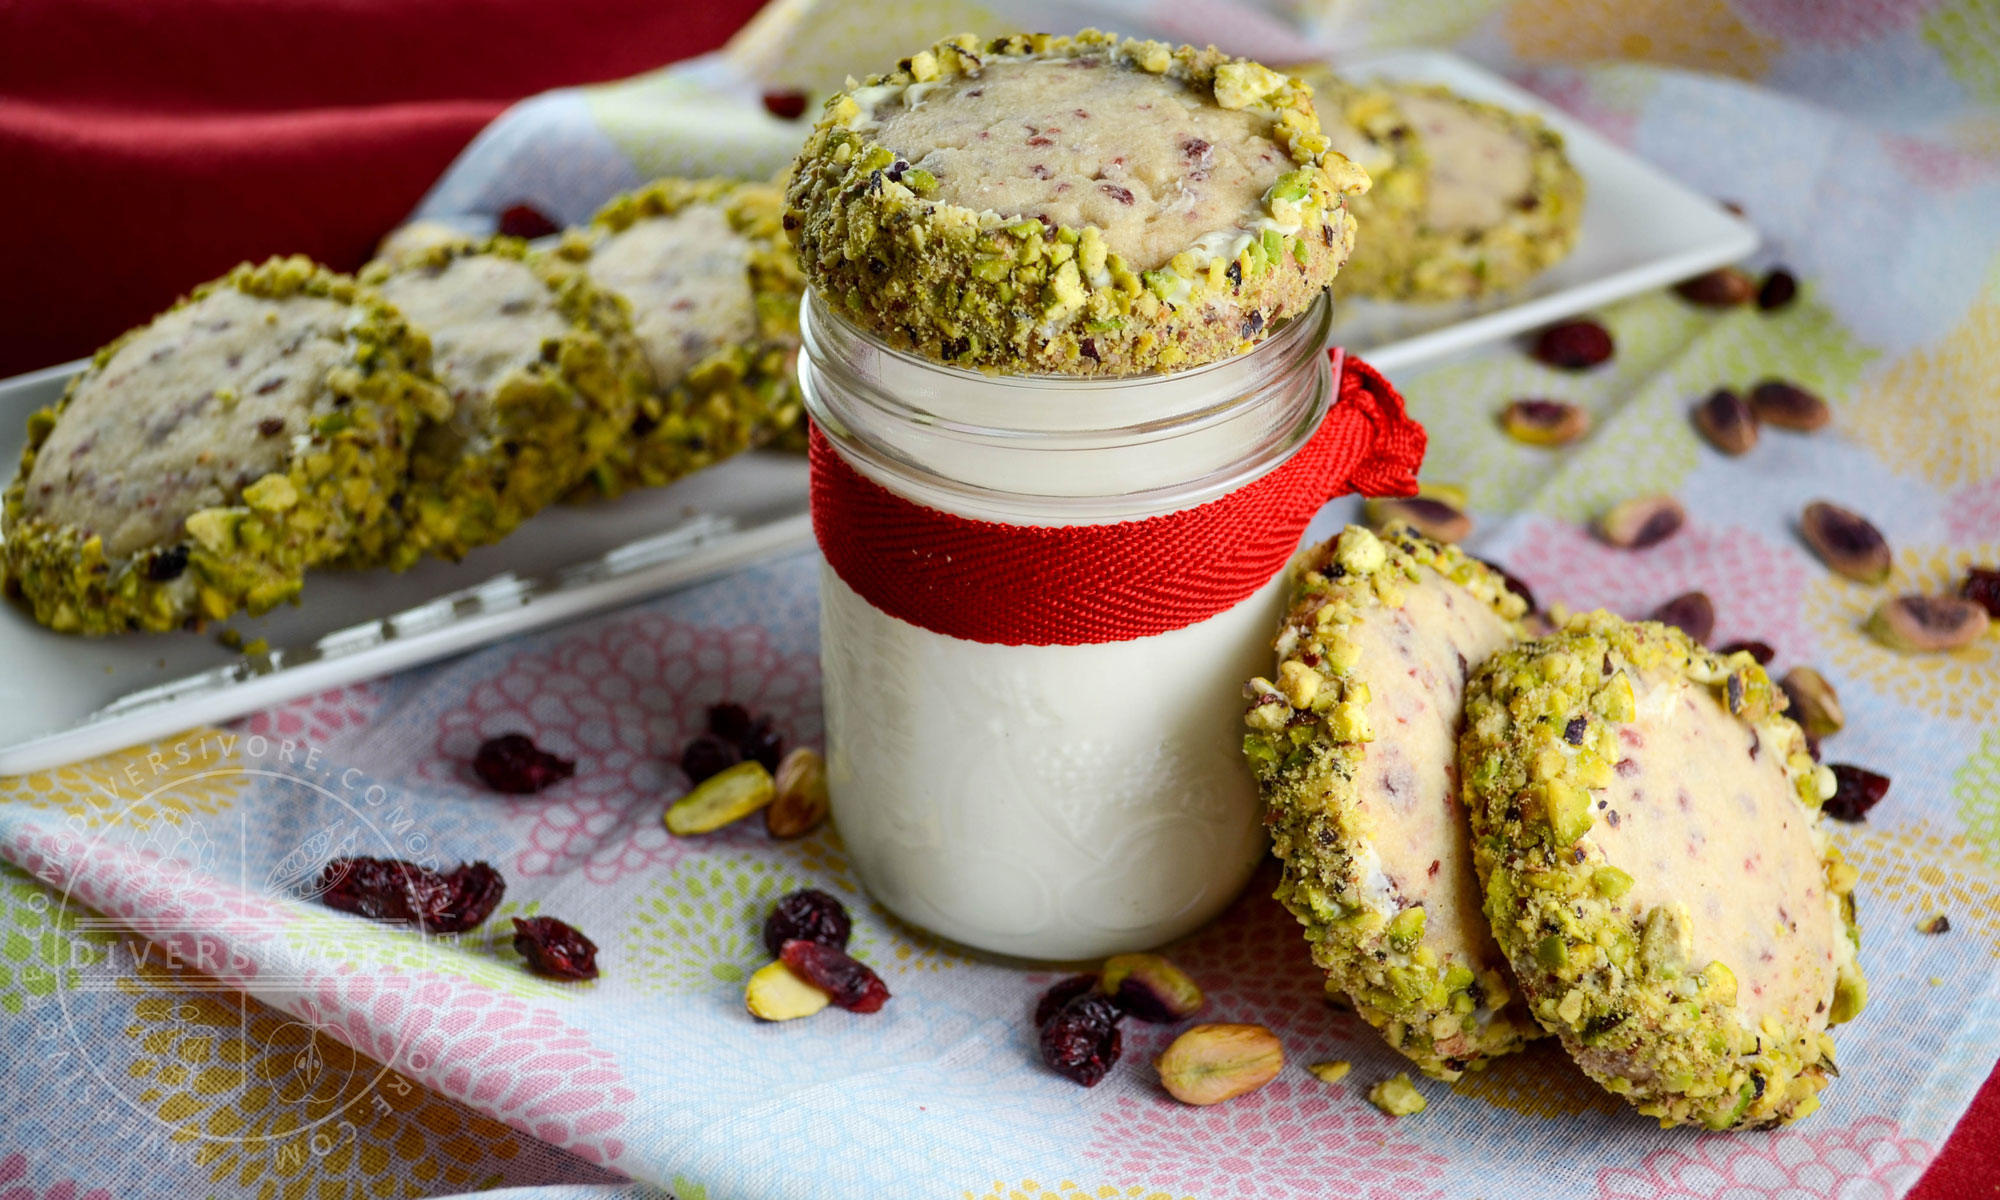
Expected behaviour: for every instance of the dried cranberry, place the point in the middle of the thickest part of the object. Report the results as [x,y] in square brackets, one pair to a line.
[1081,1041]
[512,763]
[787,104]
[555,948]
[526,221]
[403,893]
[1856,791]
[728,721]
[1982,584]
[807,916]
[1060,994]
[851,984]
[168,564]
[1574,345]
[708,755]
[1780,288]
[762,744]
[1760,651]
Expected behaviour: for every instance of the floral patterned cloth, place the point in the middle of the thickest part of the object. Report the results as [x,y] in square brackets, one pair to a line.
[176,1025]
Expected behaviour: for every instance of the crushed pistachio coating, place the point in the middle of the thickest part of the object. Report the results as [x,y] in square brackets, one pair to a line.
[1405,248]
[1004,291]
[1379,631]
[738,395]
[335,486]
[527,427]
[1646,825]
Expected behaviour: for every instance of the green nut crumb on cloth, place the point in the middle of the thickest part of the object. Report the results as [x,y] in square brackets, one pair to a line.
[202,462]
[1646,823]
[1355,750]
[1076,206]
[1468,199]
[544,376]
[713,288]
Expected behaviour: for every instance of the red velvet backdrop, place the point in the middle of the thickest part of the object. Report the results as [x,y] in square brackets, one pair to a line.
[147,145]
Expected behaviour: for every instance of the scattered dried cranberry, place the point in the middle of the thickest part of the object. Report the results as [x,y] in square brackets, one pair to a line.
[168,564]
[511,763]
[808,916]
[762,743]
[1779,289]
[1060,994]
[1574,345]
[749,736]
[1081,1041]
[788,104]
[526,221]
[555,948]
[1982,584]
[851,984]
[1761,651]
[708,755]
[728,721]
[1856,791]
[403,893]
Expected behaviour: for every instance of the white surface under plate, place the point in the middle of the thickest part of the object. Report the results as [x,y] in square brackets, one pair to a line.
[1641,230]
[63,699]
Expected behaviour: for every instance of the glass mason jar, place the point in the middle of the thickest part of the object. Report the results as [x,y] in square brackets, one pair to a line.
[1051,802]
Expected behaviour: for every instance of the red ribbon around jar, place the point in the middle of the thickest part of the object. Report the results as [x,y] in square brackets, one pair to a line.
[1068,585]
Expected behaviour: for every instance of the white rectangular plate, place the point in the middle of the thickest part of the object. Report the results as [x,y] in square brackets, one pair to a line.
[63,699]
[1641,230]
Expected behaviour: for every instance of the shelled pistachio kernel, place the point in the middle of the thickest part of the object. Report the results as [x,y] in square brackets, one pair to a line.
[1212,1063]
[1693,613]
[1815,705]
[1788,406]
[1150,988]
[1847,542]
[775,993]
[1641,522]
[1539,422]
[1727,422]
[726,796]
[1397,1097]
[799,801]
[1431,517]
[1928,624]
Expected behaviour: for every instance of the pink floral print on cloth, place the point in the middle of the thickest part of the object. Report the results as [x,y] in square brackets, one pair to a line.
[14,1184]
[1868,1160]
[1757,585]
[622,700]
[1290,1140]
[513,1060]
[319,720]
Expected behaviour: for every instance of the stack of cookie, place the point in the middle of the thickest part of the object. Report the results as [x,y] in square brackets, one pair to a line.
[286,417]
[1609,833]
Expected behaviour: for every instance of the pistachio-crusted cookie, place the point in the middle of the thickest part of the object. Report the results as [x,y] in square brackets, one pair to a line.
[1081,206]
[203,461]
[714,290]
[544,376]
[1646,826]
[1355,749]
[1468,197]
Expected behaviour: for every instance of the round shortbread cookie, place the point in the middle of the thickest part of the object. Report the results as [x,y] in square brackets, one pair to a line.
[1355,746]
[544,376]
[204,460]
[1076,206]
[714,290]
[1647,830]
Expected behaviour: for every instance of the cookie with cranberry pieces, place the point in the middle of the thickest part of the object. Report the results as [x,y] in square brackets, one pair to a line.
[1646,825]
[202,462]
